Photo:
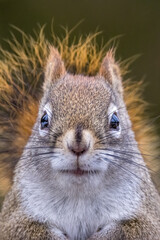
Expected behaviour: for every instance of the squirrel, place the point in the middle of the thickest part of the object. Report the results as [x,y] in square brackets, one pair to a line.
[75,146]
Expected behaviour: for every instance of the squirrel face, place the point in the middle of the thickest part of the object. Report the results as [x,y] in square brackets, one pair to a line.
[79,113]
[79,117]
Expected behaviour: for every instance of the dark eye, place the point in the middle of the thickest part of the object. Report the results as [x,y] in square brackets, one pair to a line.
[44,120]
[114,123]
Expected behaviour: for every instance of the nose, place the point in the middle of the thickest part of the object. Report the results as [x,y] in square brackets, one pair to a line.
[78,149]
[78,143]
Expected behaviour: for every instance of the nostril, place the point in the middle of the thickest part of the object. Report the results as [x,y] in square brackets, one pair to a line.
[78,150]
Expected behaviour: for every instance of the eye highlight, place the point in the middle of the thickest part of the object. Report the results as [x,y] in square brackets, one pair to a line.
[44,120]
[114,122]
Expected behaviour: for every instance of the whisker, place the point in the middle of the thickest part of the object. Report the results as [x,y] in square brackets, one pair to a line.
[130,153]
[125,159]
[123,168]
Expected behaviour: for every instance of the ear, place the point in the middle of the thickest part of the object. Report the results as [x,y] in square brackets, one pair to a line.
[54,68]
[111,72]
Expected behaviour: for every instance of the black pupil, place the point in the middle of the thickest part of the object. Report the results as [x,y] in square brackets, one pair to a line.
[44,121]
[114,122]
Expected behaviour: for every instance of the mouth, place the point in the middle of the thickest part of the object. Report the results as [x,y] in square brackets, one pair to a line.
[80,172]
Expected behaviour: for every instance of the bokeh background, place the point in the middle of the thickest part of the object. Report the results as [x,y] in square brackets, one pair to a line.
[138,21]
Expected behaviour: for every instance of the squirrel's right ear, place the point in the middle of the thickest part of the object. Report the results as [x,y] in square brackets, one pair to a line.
[54,68]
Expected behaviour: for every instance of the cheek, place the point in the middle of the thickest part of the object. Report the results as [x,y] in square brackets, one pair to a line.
[94,161]
[43,133]
[103,160]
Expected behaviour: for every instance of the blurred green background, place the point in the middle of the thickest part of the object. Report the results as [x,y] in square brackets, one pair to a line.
[137,20]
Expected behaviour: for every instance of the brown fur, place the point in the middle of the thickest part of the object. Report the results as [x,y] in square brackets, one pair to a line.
[21,77]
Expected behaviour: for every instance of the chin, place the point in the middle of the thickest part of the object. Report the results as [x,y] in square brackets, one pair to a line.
[71,180]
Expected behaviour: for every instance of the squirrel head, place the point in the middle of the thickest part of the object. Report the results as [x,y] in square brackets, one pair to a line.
[79,118]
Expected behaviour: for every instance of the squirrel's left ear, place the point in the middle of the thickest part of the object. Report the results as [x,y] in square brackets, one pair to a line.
[111,72]
[54,68]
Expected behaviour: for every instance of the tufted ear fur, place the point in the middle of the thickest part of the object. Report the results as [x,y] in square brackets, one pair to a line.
[54,68]
[110,71]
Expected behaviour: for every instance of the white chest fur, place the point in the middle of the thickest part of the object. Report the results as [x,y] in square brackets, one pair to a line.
[79,209]
[79,216]
[79,219]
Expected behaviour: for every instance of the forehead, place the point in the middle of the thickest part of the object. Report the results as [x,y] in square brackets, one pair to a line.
[80,88]
[81,96]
